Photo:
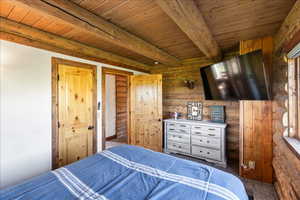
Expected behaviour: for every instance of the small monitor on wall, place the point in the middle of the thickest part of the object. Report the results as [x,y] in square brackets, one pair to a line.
[238,78]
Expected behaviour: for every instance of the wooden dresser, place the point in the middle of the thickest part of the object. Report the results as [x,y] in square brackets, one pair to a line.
[199,139]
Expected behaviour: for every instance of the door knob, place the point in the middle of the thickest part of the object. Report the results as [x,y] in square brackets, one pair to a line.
[90,127]
[159,120]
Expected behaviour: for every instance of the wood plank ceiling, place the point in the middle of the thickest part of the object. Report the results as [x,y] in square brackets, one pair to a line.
[228,20]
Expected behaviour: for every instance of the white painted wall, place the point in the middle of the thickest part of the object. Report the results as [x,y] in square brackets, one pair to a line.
[110,105]
[25,115]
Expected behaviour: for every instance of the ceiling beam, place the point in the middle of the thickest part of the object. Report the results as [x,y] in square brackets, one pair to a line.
[88,22]
[187,16]
[49,41]
[289,28]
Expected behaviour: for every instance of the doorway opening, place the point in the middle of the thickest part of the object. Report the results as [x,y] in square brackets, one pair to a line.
[115,101]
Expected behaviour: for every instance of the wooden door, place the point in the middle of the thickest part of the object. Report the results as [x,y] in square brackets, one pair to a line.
[75,113]
[146,111]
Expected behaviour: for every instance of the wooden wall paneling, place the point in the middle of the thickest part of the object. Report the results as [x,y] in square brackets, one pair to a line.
[119,98]
[256,140]
[122,114]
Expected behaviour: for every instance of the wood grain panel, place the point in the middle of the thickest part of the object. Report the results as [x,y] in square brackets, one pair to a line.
[256,140]
[146,111]
[70,125]
[122,96]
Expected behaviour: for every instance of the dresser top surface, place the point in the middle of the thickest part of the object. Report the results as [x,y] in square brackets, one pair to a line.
[203,122]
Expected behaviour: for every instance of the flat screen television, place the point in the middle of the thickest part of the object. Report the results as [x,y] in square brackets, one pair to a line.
[238,78]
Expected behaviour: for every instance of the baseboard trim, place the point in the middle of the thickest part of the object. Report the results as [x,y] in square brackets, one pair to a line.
[111,137]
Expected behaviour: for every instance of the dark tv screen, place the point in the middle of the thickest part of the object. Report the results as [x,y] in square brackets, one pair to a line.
[238,78]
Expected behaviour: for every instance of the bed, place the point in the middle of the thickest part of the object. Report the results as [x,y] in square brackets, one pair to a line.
[130,173]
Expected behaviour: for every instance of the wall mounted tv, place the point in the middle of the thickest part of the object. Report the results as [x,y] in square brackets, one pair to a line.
[242,77]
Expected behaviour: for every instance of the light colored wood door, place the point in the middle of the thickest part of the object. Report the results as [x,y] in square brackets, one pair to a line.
[146,111]
[75,113]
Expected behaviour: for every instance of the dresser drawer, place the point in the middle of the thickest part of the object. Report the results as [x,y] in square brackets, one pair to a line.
[185,148]
[171,125]
[207,131]
[206,141]
[182,126]
[206,153]
[178,130]
[197,127]
[182,138]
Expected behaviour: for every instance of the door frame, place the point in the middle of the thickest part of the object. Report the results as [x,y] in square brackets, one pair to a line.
[54,95]
[112,71]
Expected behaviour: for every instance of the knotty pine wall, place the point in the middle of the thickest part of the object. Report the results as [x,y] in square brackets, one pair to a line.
[176,96]
[285,163]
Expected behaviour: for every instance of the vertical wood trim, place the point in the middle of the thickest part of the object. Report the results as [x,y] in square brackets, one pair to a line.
[128,111]
[112,71]
[297,62]
[54,106]
[132,108]
[116,114]
[95,124]
[103,108]
[292,99]
[241,140]
[54,93]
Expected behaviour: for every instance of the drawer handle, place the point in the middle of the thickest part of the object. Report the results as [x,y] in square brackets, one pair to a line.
[207,141]
[171,129]
[182,125]
[182,130]
[200,140]
[200,151]
[211,129]
[211,134]
[198,133]
[197,127]
[208,153]
[179,147]
[179,137]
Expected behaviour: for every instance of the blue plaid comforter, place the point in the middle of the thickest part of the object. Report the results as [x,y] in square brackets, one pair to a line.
[130,173]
